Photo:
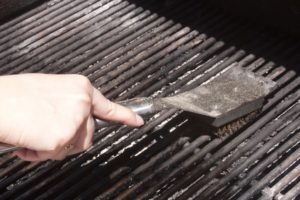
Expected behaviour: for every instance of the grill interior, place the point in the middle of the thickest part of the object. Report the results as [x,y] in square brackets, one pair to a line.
[156,48]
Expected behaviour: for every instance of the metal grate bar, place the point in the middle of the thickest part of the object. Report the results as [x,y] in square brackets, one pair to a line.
[158,48]
[56,38]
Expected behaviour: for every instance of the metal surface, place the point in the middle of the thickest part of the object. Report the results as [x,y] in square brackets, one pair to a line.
[230,95]
[151,48]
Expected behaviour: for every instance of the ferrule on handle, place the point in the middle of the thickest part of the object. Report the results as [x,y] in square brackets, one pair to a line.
[141,106]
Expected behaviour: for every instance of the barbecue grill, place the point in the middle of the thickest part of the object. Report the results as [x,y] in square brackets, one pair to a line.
[143,48]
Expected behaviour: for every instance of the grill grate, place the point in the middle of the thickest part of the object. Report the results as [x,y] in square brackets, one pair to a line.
[155,48]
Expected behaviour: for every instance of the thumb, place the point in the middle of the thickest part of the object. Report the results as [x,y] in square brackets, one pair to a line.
[107,110]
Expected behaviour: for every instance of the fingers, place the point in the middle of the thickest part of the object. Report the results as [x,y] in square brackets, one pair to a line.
[30,155]
[85,137]
[33,156]
[24,154]
[81,142]
[80,137]
[107,110]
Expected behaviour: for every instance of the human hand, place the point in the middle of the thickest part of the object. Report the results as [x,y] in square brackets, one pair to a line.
[48,114]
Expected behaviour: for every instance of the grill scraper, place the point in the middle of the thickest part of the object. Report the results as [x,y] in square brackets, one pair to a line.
[227,97]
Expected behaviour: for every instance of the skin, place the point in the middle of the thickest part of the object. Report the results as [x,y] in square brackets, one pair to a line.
[48,114]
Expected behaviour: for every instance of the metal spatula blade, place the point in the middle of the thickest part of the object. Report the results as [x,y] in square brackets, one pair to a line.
[230,95]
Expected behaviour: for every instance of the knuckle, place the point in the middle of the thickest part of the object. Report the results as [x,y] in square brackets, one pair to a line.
[82,103]
[60,140]
[83,81]
[85,99]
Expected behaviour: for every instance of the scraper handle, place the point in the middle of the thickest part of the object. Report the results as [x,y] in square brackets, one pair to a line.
[141,106]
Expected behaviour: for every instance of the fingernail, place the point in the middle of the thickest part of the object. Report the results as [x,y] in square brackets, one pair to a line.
[139,120]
